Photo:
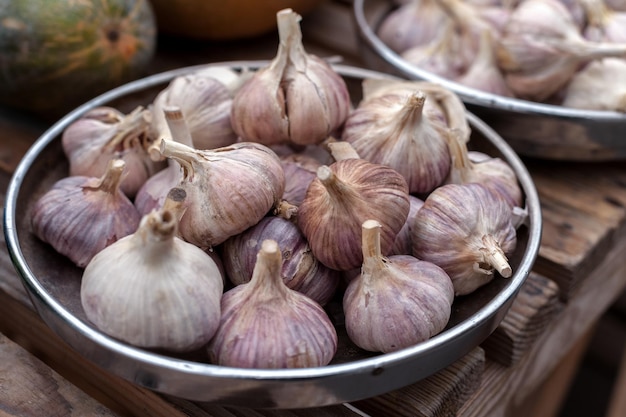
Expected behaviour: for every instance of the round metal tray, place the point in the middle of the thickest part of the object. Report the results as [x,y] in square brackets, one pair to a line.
[532,129]
[53,284]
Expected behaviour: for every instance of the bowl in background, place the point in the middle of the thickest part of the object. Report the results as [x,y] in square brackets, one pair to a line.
[532,129]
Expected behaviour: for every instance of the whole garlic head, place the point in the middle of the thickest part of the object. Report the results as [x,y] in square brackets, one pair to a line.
[467,230]
[105,133]
[79,216]
[340,199]
[297,98]
[396,301]
[228,189]
[152,289]
[265,324]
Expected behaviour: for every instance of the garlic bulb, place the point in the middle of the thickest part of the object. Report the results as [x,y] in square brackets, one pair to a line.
[601,85]
[297,98]
[105,133]
[467,231]
[542,48]
[396,301]
[443,105]
[79,216]
[483,74]
[604,24]
[451,53]
[417,22]
[300,270]
[264,324]
[204,97]
[340,199]
[494,173]
[152,289]
[228,189]
[393,130]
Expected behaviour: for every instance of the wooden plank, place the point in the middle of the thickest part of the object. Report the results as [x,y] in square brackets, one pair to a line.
[29,388]
[503,387]
[532,311]
[440,395]
[617,405]
[584,212]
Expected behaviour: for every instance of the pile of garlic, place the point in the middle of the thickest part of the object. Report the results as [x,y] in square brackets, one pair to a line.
[562,52]
[253,199]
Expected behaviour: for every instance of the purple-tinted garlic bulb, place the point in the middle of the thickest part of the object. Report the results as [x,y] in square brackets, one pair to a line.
[396,301]
[467,230]
[79,216]
[300,270]
[264,324]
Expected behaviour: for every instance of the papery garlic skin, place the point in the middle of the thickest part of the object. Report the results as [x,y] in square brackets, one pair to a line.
[228,189]
[154,290]
[396,301]
[265,325]
[105,133]
[394,130]
[297,98]
[467,230]
[79,216]
[300,270]
[340,199]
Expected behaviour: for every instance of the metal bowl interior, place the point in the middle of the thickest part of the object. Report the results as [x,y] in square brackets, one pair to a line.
[532,129]
[53,284]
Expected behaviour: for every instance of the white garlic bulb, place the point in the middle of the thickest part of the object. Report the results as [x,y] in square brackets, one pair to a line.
[152,289]
[542,48]
[394,130]
[600,85]
[396,301]
[604,24]
[204,98]
[105,133]
[416,22]
[264,324]
[228,189]
[297,98]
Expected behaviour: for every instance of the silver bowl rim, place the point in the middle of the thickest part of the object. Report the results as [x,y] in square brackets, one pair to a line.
[447,337]
[471,95]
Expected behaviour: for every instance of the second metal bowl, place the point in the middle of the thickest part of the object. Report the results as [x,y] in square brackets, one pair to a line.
[533,129]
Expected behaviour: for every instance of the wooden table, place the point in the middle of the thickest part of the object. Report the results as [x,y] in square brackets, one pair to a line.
[522,369]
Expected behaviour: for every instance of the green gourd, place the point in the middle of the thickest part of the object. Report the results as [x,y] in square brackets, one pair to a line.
[57,54]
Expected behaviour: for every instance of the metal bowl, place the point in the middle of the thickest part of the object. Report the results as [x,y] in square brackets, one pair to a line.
[532,129]
[53,284]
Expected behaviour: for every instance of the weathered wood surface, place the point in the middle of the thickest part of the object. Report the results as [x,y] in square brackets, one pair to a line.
[584,220]
[30,388]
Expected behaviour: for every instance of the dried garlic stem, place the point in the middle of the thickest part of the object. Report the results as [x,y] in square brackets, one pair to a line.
[342,150]
[180,153]
[266,282]
[494,256]
[111,179]
[372,255]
